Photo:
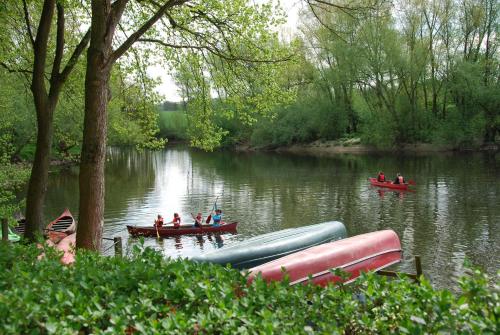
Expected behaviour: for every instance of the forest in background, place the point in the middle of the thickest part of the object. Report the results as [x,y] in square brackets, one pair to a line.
[389,73]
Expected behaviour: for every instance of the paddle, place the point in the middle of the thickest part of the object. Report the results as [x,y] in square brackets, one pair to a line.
[209,217]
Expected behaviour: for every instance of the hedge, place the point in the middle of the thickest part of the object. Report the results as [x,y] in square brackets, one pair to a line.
[147,294]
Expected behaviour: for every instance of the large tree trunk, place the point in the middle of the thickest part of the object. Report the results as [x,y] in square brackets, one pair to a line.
[93,157]
[44,106]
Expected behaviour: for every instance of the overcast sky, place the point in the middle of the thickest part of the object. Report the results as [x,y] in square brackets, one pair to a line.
[168,88]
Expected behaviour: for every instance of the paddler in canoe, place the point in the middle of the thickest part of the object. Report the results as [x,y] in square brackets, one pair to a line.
[381,177]
[158,222]
[198,219]
[176,221]
[399,179]
[217,218]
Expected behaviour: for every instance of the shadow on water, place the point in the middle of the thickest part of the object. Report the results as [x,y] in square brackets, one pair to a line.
[453,213]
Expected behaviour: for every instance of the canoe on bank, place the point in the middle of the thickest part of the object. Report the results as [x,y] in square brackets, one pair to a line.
[264,248]
[183,230]
[61,227]
[13,237]
[388,184]
[361,253]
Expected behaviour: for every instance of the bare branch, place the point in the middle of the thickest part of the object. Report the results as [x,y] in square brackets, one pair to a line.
[28,24]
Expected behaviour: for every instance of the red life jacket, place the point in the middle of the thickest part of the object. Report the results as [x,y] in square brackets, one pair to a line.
[177,222]
[159,222]
[381,178]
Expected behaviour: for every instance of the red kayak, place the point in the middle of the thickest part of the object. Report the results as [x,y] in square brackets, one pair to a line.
[388,184]
[366,252]
[182,230]
[61,227]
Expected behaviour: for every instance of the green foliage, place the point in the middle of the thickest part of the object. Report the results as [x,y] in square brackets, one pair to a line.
[146,294]
[12,179]
[173,124]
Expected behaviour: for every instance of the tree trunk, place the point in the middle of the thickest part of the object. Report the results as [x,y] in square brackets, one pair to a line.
[93,156]
[37,186]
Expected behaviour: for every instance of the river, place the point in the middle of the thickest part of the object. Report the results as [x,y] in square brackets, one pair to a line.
[452,215]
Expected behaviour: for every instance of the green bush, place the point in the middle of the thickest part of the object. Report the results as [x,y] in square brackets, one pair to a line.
[146,294]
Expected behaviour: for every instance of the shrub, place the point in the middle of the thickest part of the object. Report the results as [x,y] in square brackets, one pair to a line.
[146,294]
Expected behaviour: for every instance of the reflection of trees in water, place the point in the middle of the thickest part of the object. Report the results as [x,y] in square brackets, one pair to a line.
[130,174]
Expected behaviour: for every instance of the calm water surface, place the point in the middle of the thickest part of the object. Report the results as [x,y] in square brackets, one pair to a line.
[453,215]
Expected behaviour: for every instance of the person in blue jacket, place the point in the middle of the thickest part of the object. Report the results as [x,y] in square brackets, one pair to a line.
[217,218]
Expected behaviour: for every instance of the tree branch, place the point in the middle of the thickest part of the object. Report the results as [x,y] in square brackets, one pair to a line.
[148,24]
[28,24]
[59,44]
[11,70]
[214,50]
[74,57]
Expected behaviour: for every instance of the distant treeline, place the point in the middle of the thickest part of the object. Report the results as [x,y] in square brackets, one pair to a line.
[170,106]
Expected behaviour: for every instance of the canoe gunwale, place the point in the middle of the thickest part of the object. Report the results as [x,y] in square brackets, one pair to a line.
[357,261]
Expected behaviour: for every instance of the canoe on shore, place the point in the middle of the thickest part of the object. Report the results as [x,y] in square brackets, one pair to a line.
[361,253]
[388,184]
[267,247]
[61,227]
[12,237]
[182,230]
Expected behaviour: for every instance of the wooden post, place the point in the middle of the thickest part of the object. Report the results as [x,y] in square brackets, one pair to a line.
[118,246]
[5,230]
[418,265]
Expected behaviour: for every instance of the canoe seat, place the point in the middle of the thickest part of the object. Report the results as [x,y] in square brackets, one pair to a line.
[21,227]
[62,224]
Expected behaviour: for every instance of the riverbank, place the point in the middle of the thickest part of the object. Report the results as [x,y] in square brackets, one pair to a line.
[354,146]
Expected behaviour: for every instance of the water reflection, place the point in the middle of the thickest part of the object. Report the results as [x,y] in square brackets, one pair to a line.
[452,215]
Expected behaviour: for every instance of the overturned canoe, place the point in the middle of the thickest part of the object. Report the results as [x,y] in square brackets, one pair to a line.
[264,248]
[361,253]
[183,230]
[388,184]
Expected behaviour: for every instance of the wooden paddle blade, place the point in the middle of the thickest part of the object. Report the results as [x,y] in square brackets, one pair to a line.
[208,218]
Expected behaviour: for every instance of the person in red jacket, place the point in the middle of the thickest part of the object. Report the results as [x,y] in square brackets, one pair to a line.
[399,179]
[176,221]
[381,177]
[159,221]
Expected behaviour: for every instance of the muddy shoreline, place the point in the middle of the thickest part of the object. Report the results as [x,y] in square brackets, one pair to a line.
[334,148]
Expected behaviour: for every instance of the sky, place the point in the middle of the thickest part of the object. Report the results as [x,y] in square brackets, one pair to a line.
[168,88]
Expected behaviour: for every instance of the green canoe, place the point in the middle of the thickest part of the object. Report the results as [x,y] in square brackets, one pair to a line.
[264,248]
[13,237]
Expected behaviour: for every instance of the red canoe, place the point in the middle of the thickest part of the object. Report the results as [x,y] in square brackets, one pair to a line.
[183,230]
[366,252]
[388,184]
[61,227]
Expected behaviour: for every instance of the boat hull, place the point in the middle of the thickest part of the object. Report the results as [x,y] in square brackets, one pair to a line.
[354,255]
[388,184]
[61,227]
[170,231]
[265,248]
